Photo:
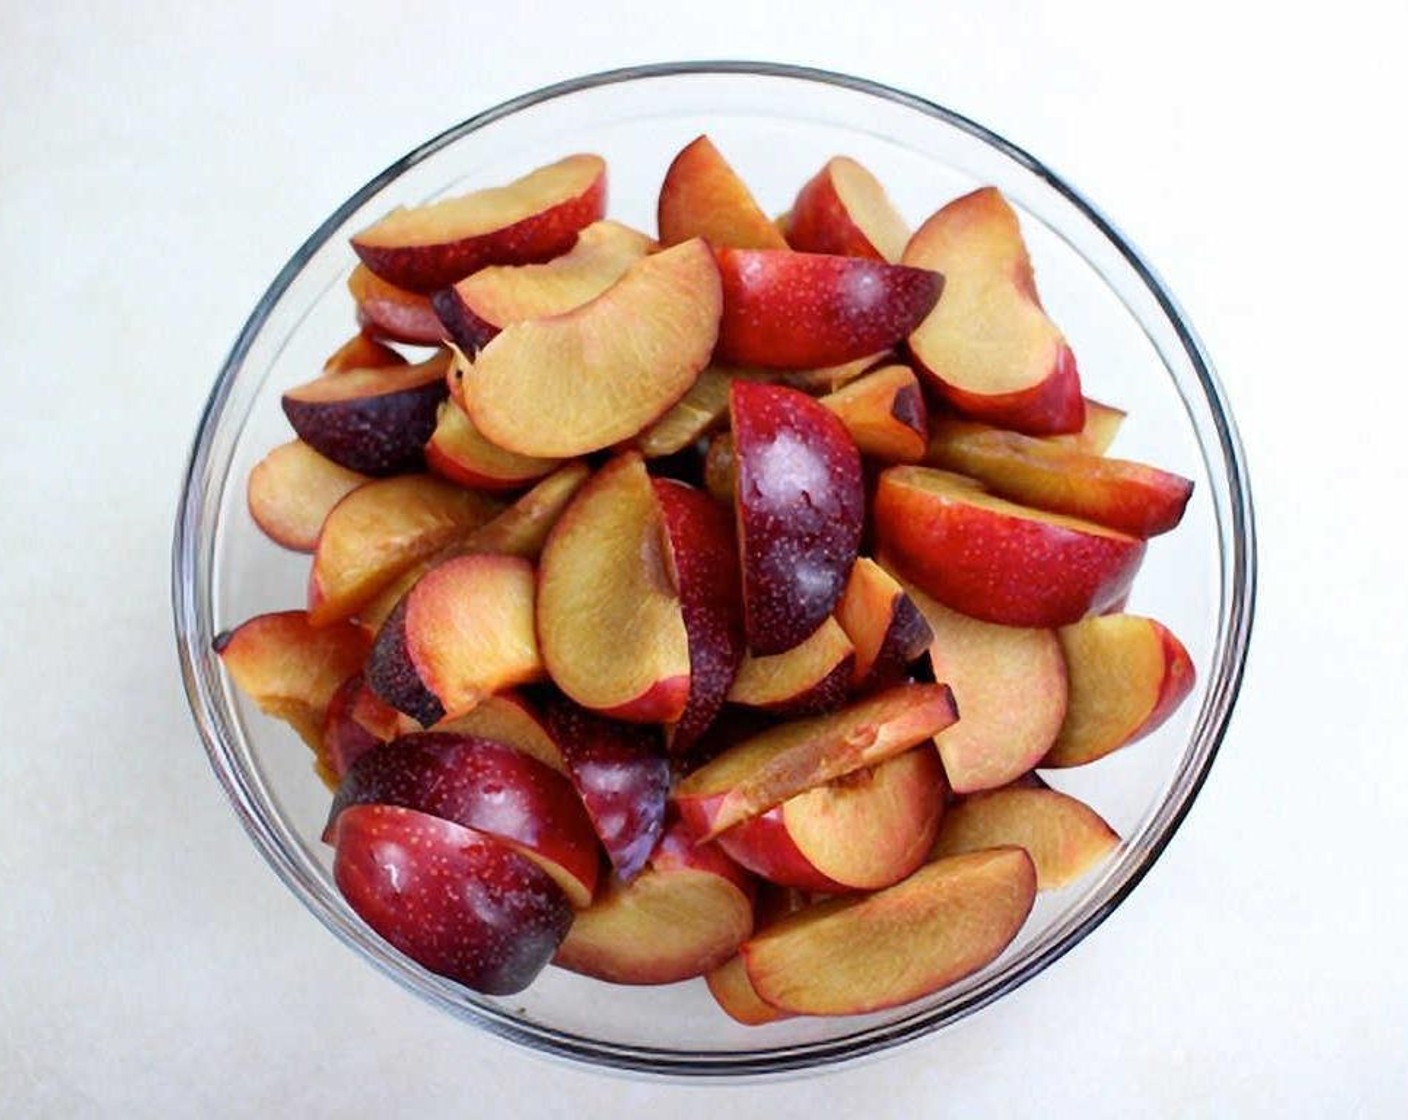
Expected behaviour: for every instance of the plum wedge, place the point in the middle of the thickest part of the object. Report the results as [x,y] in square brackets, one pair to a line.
[534,218]
[483,785]
[776,764]
[1134,498]
[374,421]
[591,377]
[1011,687]
[462,633]
[988,347]
[474,310]
[686,912]
[1128,674]
[622,776]
[609,613]
[997,560]
[800,509]
[292,490]
[451,898]
[850,955]
[790,310]
[844,209]
[702,196]
[864,831]
[1064,836]
[292,669]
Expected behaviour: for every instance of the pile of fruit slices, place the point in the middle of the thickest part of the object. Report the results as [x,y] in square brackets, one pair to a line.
[707,607]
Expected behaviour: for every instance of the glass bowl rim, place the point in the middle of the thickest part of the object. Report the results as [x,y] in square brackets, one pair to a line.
[1239,568]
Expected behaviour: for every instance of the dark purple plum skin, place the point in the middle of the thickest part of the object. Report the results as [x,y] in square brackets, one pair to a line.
[469,332]
[391,674]
[379,435]
[622,774]
[705,557]
[472,781]
[905,641]
[800,509]
[454,900]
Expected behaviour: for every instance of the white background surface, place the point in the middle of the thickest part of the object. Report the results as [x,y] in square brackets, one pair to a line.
[157,166]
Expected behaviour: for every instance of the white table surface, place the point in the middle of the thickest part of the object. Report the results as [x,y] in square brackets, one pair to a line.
[157,165]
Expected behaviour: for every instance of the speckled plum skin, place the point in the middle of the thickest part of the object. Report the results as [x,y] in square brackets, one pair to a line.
[622,775]
[789,310]
[800,509]
[705,558]
[480,784]
[452,899]
[369,429]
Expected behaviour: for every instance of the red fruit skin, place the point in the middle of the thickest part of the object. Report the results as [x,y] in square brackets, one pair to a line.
[1053,407]
[821,223]
[906,639]
[344,739]
[452,899]
[389,312]
[763,845]
[800,512]
[790,310]
[704,553]
[1008,570]
[392,675]
[1179,678]
[622,775]
[677,848]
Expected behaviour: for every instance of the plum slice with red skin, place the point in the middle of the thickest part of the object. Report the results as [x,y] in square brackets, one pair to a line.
[790,310]
[453,899]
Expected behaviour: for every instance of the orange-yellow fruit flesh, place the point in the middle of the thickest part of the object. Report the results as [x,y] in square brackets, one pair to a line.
[1010,686]
[866,610]
[869,207]
[736,997]
[786,760]
[609,615]
[292,490]
[1102,424]
[987,332]
[478,640]
[592,377]
[1063,835]
[381,530]
[875,409]
[847,956]
[874,826]
[664,926]
[519,530]
[1118,666]
[702,196]
[504,718]
[492,208]
[503,294]
[459,451]
[764,682]
[291,668]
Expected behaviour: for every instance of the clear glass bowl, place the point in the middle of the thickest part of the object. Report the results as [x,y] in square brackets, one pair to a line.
[777,125]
